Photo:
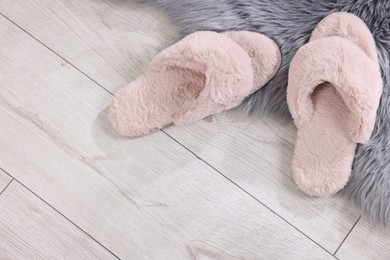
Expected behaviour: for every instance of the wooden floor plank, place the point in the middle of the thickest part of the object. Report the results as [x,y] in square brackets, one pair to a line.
[4,180]
[30,229]
[92,34]
[366,241]
[256,154]
[113,41]
[146,198]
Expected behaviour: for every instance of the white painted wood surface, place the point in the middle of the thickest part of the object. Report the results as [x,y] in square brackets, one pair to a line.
[109,29]
[366,241]
[4,180]
[149,198]
[111,41]
[30,229]
[228,143]
[146,198]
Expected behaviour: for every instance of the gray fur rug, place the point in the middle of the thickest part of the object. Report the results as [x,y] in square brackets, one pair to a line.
[290,23]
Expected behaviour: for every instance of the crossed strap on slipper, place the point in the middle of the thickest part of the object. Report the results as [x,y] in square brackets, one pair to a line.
[203,74]
[333,93]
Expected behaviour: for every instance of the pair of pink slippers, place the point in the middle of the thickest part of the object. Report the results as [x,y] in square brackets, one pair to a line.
[333,92]
[203,74]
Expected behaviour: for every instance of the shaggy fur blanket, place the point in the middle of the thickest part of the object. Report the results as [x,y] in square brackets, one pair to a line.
[290,23]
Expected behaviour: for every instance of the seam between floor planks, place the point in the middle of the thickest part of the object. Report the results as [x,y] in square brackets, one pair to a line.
[253,197]
[59,212]
[346,237]
[9,183]
[54,52]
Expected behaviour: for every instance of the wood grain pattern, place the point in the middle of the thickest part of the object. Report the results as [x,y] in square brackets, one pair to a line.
[256,155]
[145,198]
[366,241]
[30,229]
[4,180]
[111,41]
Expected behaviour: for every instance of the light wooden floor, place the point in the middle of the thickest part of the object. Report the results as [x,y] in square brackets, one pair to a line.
[73,189]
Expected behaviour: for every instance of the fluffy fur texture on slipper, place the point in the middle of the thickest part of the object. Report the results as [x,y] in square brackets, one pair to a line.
[333,94]
[289,24]
[204,73]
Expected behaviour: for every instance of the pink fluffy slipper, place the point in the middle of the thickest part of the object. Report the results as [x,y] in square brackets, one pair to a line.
[333,93]
[203,74]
